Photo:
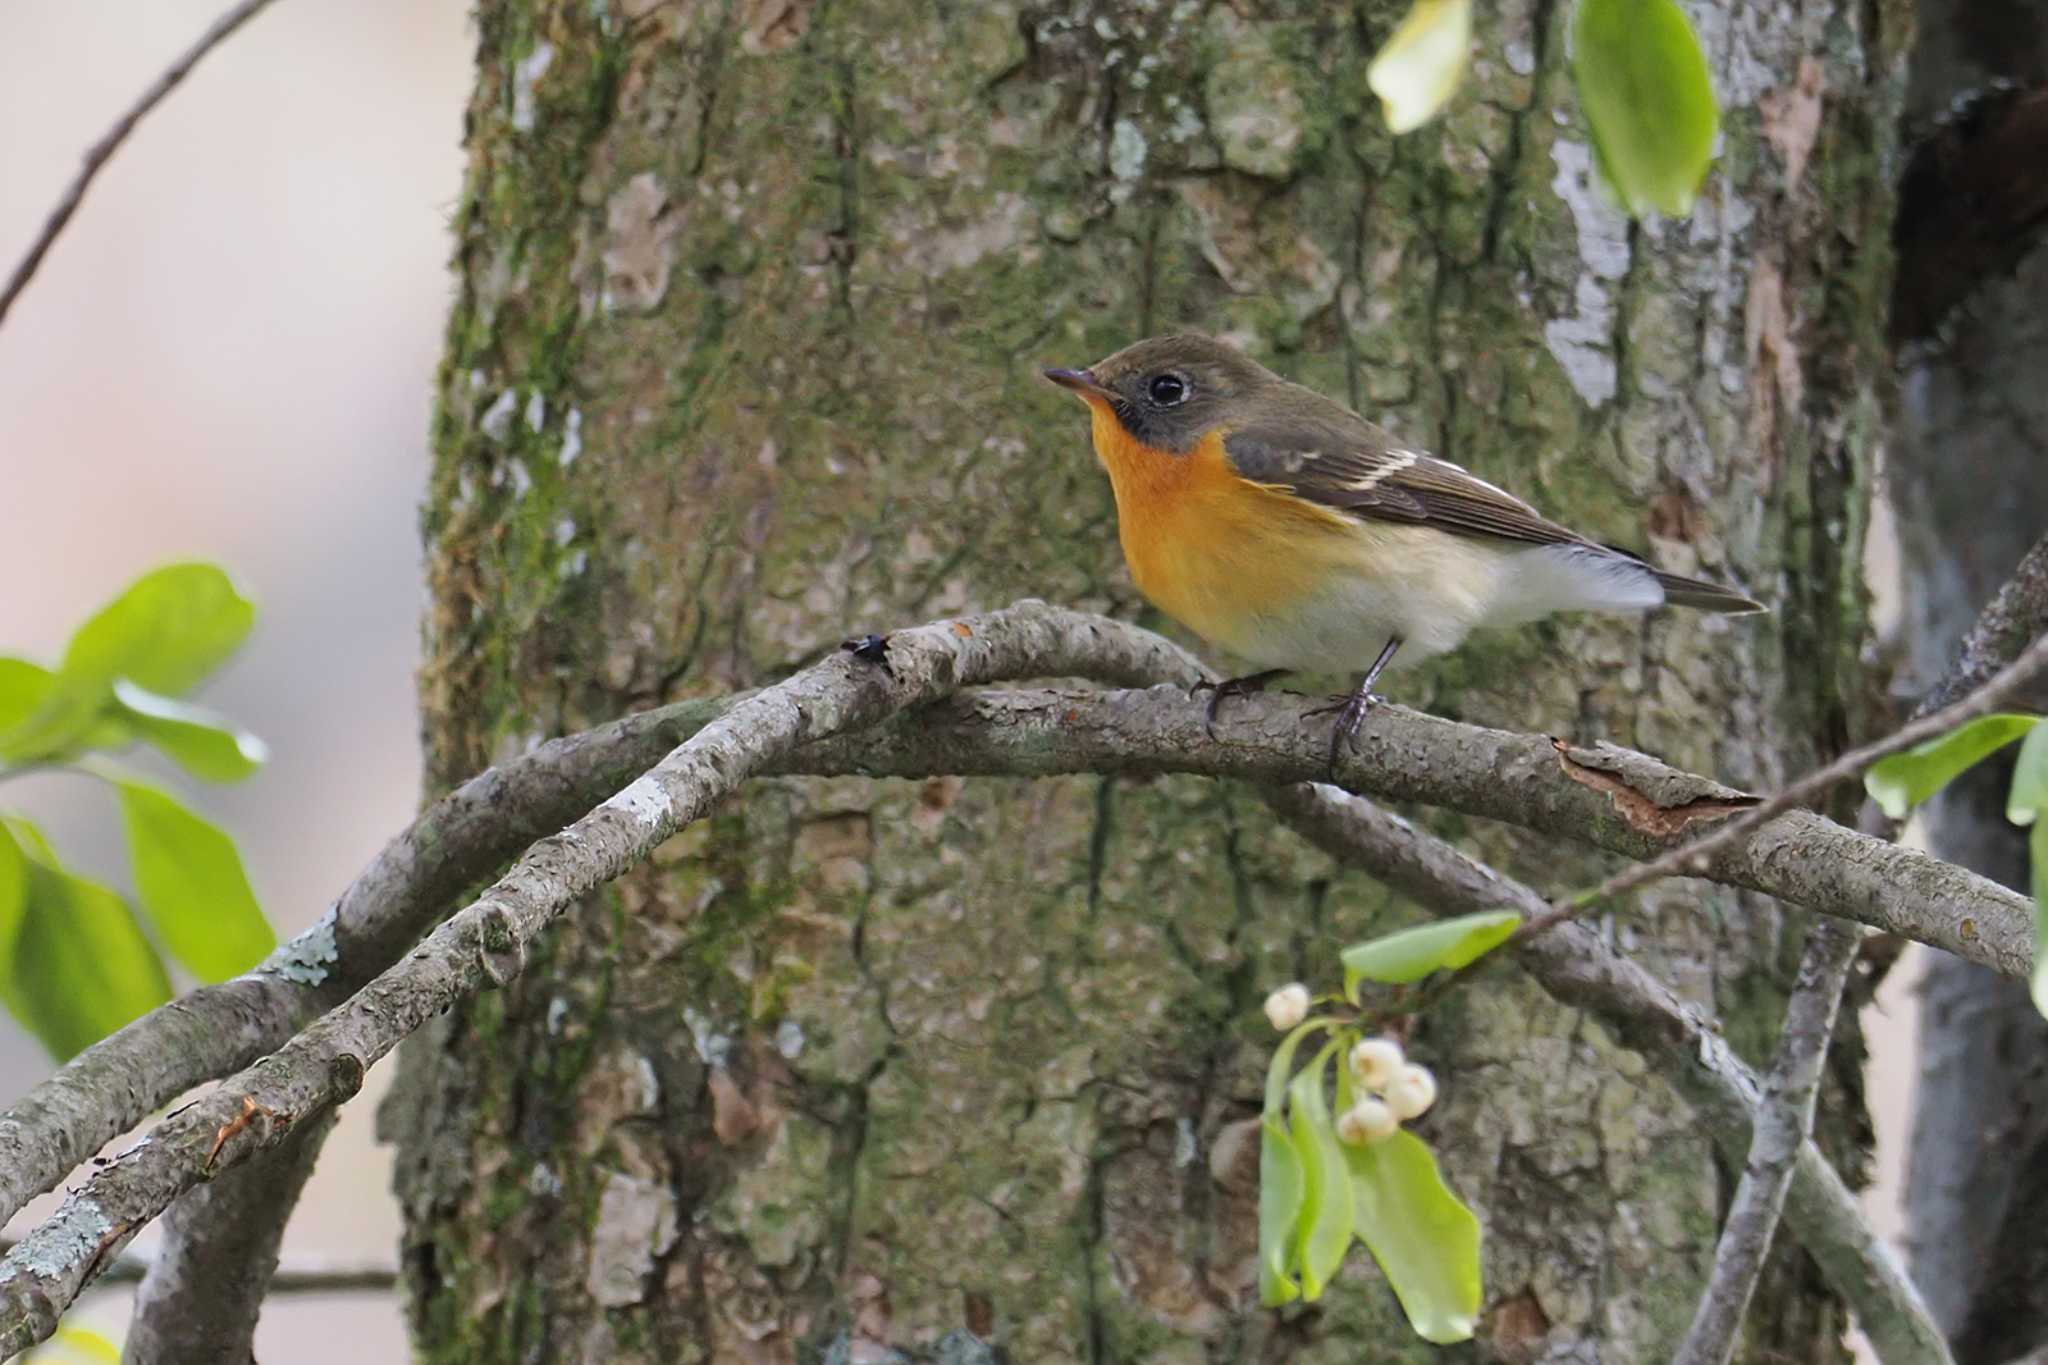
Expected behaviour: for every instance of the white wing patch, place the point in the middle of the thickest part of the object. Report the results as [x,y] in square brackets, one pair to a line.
[1396,461]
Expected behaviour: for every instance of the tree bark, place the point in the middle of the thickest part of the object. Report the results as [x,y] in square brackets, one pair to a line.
[1970,482]
[751,302]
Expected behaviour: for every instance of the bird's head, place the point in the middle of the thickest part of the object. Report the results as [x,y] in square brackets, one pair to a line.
[1169,392]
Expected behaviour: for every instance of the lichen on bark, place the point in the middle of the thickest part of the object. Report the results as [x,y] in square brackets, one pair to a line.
[751,300]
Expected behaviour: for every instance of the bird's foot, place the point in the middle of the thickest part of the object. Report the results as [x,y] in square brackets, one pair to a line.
[1248,685]
[1349,709]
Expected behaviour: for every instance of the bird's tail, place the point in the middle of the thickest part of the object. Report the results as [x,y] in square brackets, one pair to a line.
[1680,591]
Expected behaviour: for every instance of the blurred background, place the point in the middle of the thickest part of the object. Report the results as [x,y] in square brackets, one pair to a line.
[228,356]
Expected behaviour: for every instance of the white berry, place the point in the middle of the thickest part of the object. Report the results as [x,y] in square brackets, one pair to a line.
[1411,1092]
[1287,1006]
[1366,1122]
[1375,1061]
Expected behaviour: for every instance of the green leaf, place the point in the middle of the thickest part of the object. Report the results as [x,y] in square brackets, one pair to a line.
[1280,1198]
[23,686]
[1411,954]
[202,743]
[2037,844]
[1642,80]
[1904,780]
[2029,794]
[1425,1240]
[80,966]
[1418,70]
[166,632]
[1283,1061]
[169,630]
[13,890]
[190,880]
[1323,1232]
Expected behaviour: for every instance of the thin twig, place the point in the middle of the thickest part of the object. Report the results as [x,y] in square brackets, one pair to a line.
[97,155]
[1696,856]
[1784,1122]
[308,1276]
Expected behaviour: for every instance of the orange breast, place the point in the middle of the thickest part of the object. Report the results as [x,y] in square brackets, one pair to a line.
[1211,549]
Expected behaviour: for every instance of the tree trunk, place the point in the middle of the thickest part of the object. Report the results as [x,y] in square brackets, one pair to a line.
[1970,487]
[751,304]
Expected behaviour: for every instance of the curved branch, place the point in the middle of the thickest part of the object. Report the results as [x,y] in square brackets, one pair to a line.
[485,944]
[1613,798]
[1784,1123]
[1616,798]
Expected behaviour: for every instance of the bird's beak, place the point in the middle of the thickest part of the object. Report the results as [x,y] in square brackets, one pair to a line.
[1082,382]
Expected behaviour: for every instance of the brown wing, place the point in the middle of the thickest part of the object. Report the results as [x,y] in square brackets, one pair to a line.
[1340,460]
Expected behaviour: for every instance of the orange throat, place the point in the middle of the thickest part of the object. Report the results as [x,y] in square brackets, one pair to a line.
[1210,548]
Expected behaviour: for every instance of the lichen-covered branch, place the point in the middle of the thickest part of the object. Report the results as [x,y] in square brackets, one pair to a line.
[1784,1123]
[484,944]
[1611,797]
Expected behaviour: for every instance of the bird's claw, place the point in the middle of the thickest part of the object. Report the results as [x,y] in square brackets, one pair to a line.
[1249,685]
[1350,711]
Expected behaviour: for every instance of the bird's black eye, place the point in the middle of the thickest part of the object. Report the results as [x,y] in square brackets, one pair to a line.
[1167,389]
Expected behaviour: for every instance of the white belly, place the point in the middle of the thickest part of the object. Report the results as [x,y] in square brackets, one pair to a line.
[1431,590]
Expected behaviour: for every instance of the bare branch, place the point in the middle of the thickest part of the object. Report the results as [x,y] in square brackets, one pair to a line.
[307,1276]
[202,1303]
[214,1030]
[484,944]
[1613,798]
[97,155]
[1784,1123]
[1698,854]
[1609,796]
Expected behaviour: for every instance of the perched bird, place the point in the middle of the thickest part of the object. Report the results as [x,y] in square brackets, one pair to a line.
[1292,532]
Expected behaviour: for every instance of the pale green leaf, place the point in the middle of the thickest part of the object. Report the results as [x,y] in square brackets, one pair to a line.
[1418,69]
[80,967]
[1411,954]
[1426,1241]
[1642,80]
[2029,794]
[202,743]
[170,629]
[13,891]
[23,686]
[1283,1061]
[165,633]
[1280,1198]
[1904,780]
[190,881]
[1323,1232]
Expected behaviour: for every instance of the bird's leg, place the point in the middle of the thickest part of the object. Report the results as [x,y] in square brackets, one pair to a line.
[1350,710]
[1231,687]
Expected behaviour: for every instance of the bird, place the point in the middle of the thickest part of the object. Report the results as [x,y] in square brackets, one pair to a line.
[1283,527]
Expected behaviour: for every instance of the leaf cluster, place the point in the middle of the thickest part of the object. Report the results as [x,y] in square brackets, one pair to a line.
[76,962]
